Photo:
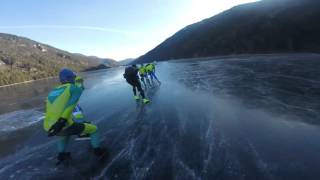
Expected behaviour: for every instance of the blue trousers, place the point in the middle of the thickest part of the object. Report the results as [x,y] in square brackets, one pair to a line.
[153,75]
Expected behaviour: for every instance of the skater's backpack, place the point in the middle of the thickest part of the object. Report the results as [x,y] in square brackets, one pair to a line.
[130,72]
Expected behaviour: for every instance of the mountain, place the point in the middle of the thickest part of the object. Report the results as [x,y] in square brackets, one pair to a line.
[104,64]
[99,67]
[22,59]
[126,61]
[109,62]
[267,26]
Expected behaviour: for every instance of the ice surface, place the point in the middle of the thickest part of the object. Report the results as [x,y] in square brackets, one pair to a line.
[252,117]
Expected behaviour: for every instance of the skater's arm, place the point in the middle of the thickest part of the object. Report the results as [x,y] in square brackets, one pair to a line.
[79,82]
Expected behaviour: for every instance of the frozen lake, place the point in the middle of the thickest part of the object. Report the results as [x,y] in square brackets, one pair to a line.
[245,117]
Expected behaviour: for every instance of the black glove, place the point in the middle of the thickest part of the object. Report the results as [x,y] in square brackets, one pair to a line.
[57,127]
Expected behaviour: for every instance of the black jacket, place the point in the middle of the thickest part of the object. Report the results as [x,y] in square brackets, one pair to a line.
[131,73]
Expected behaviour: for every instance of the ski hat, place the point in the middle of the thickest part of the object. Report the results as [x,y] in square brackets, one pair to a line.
[67,76]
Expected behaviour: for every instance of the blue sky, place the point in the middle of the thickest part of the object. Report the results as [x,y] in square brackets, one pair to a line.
[116,29]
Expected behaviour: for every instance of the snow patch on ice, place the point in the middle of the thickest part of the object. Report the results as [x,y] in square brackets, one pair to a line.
[19,119]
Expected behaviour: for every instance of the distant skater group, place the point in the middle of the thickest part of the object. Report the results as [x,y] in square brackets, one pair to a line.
[133,73]
[64,116]
[144,71]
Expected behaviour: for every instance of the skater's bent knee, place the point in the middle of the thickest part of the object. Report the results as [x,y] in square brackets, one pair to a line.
[89,128]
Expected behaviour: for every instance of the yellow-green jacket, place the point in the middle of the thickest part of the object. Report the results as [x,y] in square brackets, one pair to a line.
[142,70]
[60,103]
[150,67]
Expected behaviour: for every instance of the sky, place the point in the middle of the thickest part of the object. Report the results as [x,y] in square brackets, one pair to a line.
[117,29]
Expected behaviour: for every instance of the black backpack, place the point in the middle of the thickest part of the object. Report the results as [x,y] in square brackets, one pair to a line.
[130,72]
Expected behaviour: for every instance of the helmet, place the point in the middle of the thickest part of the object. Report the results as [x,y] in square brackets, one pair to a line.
[67,76]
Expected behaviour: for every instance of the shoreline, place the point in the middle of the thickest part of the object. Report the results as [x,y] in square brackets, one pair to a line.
[52,77]
[226,57]
[30,81]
